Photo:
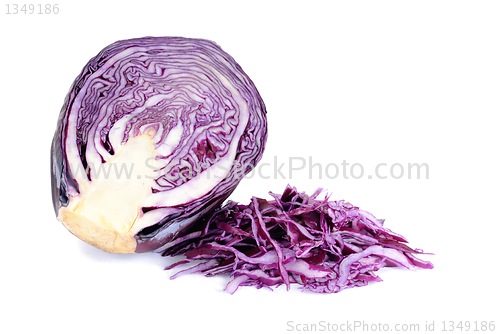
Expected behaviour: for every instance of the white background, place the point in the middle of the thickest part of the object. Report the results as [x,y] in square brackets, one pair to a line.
[363,81]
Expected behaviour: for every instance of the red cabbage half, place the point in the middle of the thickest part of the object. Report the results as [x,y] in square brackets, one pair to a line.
[325,246]
[154,133]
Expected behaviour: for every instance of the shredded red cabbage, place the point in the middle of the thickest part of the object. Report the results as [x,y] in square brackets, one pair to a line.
[325,246]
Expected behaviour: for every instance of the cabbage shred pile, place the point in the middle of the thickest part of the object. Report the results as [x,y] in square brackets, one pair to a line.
[324,246]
